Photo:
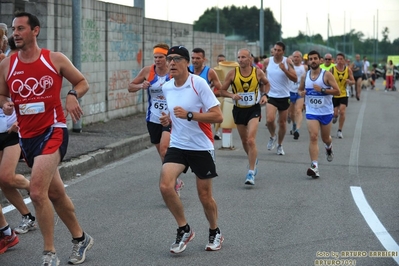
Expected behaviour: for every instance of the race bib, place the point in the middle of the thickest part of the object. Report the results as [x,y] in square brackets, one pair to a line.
[247,98]
[158,106]
[3,123]
[31,108]
[315,101]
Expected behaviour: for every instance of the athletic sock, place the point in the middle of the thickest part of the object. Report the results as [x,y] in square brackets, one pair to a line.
[30,216]
[80,239]
[6,230]
[185,228]
[213,232]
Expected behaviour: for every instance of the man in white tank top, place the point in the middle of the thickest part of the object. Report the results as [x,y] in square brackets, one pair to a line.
[296,101]
[279,71]
[319,86]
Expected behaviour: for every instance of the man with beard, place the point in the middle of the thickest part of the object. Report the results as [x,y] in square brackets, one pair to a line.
[319,86]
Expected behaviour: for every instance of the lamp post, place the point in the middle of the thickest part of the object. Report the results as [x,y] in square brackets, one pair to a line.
[281,21]
[261,29]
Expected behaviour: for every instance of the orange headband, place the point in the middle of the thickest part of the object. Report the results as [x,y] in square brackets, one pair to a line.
[159,50]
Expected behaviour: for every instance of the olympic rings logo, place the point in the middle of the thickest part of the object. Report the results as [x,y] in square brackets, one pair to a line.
[32,86]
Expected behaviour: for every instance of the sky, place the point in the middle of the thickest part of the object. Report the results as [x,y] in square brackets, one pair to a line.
[308,16]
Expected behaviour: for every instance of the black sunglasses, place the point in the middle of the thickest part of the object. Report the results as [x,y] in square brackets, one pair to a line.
[177,59]
[327,58]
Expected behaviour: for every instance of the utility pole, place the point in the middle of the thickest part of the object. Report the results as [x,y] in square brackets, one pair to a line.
[217,20]
[281,21]
[376,47]
[76,49]
[261,29]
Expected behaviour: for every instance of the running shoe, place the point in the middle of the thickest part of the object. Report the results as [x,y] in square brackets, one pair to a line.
[79,249]
[25,226]
[329,154]
[313,171]
[179,186]
[250,179]
[335,119]
[218,136]
[50,259]
[339,135]
[7,242]
[182,239]
[296,135]
[272,143]
[215,242]
[280,150]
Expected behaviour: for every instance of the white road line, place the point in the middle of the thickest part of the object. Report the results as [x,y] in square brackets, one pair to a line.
[11,207]
[354,153]
[357,193]
[374,223]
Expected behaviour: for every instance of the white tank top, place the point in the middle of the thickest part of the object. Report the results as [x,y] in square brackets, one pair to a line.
[279,82]
[317,103]
[299,70]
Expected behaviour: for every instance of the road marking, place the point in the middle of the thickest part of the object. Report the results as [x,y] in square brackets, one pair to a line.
[357,193]
[374,223]
[354,153]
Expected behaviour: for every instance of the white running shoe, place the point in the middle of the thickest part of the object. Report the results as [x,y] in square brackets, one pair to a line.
[182,239]
[215,242]
[339,135]
[280,150]
[313,171]
[272,143]
[25,226]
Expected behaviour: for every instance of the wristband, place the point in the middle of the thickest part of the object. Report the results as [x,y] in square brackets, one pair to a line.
[265,94]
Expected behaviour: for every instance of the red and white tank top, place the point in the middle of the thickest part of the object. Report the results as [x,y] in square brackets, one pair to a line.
[35,90]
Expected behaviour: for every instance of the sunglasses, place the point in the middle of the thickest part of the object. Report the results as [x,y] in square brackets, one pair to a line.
[327,58]
[177,59]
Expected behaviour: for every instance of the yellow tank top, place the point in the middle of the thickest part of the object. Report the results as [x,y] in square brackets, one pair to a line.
[341,77]
[247,88]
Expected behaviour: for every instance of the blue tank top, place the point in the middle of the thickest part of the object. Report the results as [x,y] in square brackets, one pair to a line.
[359,65]
[203,74]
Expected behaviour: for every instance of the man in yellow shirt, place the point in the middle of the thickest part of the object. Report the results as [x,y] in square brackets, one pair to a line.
[328,64]
[343,76]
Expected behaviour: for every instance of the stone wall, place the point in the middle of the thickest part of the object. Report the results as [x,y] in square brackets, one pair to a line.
[116,42]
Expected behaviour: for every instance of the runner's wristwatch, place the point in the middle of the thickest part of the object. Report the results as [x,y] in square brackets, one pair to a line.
[189,116]
[73,92]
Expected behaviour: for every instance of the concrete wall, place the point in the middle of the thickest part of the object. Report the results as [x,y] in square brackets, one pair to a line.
[116,42]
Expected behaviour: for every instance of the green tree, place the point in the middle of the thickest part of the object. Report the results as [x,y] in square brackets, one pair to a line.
[244,21]
[241,21]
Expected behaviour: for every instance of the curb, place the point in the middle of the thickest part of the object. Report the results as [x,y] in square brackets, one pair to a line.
[87,162]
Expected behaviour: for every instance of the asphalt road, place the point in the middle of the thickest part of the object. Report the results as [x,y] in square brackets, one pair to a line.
[346,216]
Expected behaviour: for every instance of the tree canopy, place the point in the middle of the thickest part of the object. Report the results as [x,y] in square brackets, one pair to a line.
[244,21]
